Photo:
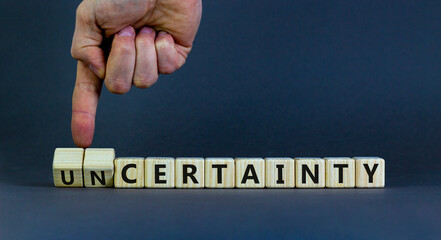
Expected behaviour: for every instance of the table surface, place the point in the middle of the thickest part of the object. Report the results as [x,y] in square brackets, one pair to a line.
[265,79]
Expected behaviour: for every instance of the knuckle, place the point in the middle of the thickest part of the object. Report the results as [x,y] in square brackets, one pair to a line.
[145,81]
[146,38]
[74,53]
[87,86]
[168,68]
[162,44]
[117,86]
[124,49]
[82,12]
[144,41]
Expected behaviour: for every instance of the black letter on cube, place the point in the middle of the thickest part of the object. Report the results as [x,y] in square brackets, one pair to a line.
[93,175]
[63,177]
[250,168]
[340,171]
[314,177]
[369,172]
[124,173]
[280,174]
[219,171]
[187,174]
[158,173]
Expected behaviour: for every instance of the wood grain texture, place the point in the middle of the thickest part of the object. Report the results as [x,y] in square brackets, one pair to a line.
[159,172]
[212,177]
[369,172]
[279,173]
[98,167]
[189,173]
[129,172]
[310,172]
[250,173]
[67,167]
[340,172]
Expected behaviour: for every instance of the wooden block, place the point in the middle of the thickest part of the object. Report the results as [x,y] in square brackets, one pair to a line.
[98,167]
[250,173]
[279,173]
[129,172]
[67,167]
[340,172]
[310,172]
[189,173]
[219,173]
[369,172]
[159,172]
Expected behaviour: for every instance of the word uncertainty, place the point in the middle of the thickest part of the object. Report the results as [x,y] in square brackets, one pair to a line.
[97,167]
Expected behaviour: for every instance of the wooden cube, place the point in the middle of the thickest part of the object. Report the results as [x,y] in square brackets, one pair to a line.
[279,173]
[189,173]
[129,172]
[67,167]
[369,172]
[250,173]
[219,173]
[340,172]
[310,172]
[98,167]
[160,172]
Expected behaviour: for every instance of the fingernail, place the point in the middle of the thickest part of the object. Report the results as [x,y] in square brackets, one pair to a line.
[146,30]
[127,31]
[94,69]
[162,33]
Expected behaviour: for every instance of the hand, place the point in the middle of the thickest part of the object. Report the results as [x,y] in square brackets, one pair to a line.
[137,53]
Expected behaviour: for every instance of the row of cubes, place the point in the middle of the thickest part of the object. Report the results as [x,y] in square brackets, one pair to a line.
[97,167]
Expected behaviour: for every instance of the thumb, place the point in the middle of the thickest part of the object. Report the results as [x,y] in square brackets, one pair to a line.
[87,40]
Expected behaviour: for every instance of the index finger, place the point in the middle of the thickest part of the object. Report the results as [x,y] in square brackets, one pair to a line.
[84,104]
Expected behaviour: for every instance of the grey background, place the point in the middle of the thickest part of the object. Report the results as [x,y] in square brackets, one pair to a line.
[265,78]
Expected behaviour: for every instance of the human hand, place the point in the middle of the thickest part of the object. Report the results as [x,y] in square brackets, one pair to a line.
[137,53]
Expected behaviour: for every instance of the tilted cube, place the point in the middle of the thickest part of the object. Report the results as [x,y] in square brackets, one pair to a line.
[68,167]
